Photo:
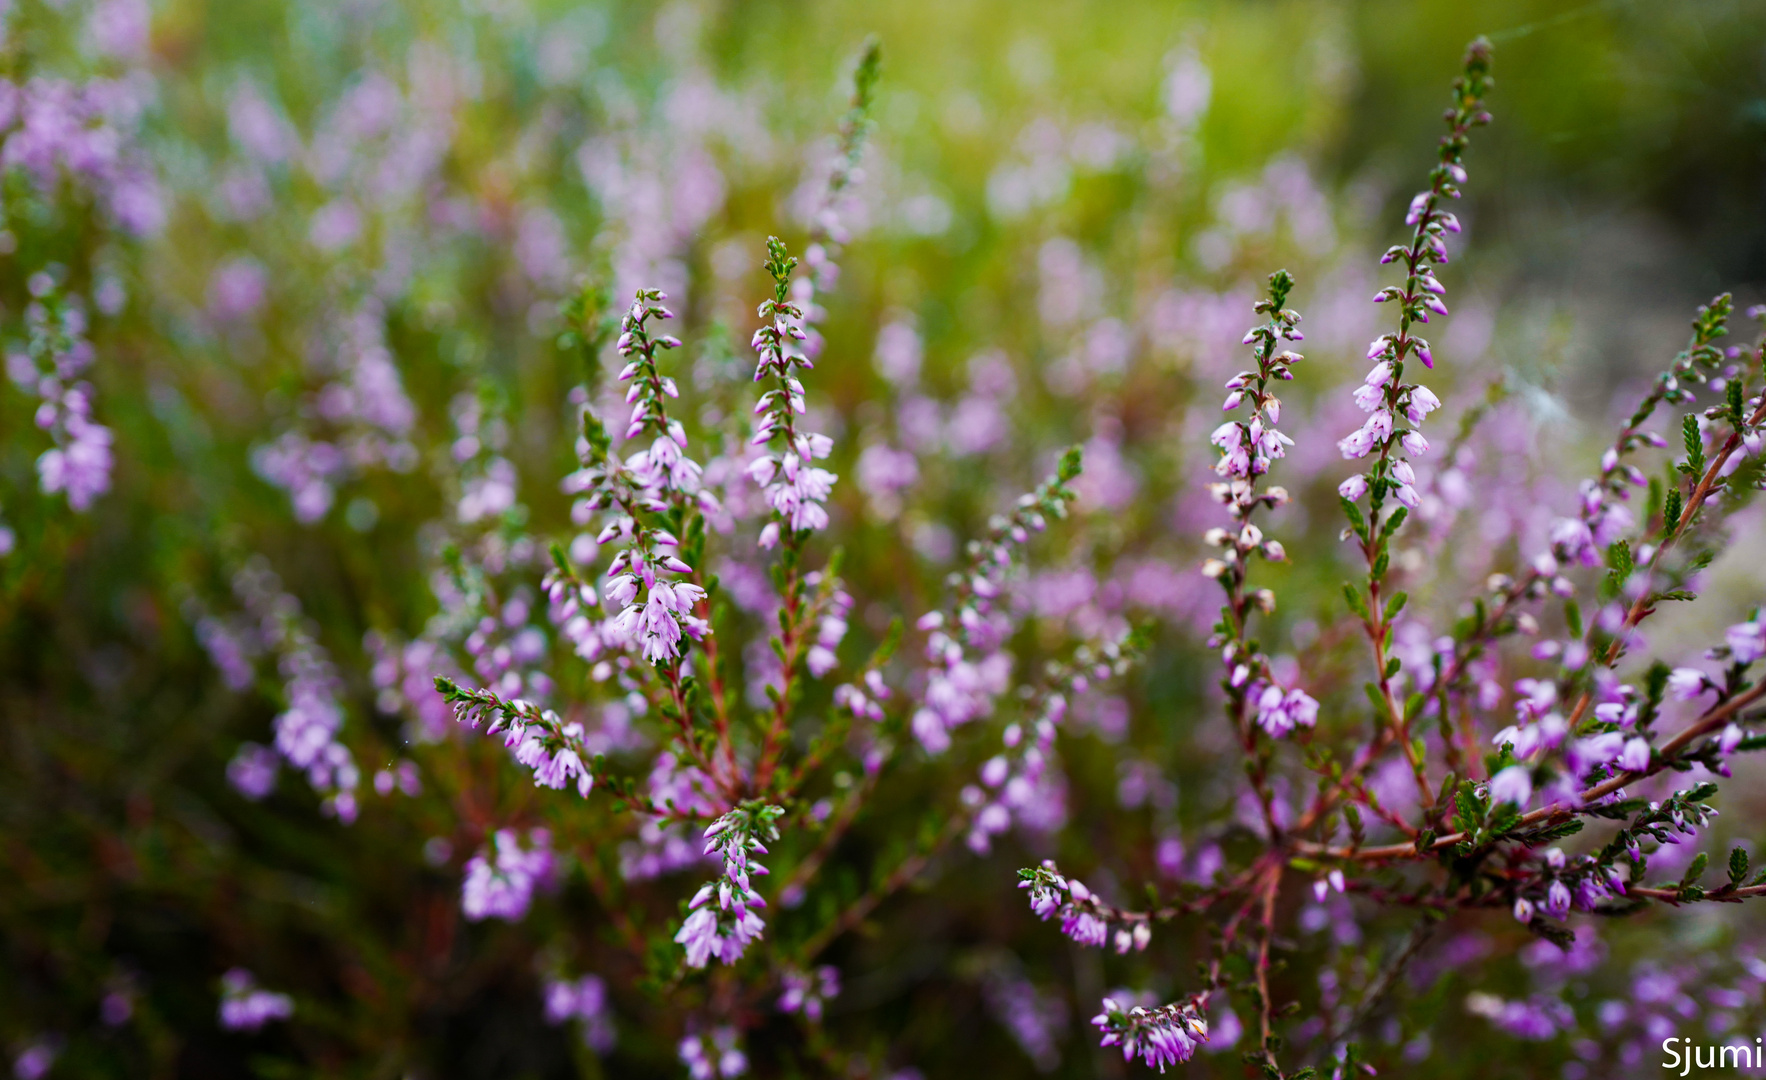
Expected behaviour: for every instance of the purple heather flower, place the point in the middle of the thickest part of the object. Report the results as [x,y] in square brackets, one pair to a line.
[806,992]
[306,730]
[1279,713]
[1084,927]
[1557,900]
[1747,641]
[1035,1019]
[1512,785]
[1636,755]
[82,467]
[252,772]
[245,1007]
[1686,683]
[502,885]
[716,1056]
[1162,1037]
[1729,739]
[237,289]
[33,1062]
[724,929]
[583,1000]
[1586,753]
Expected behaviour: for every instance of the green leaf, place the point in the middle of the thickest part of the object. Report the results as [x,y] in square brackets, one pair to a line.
[560,560]
[1535,837]
[1396,604]
[1468,815]
[1655,681]
[1353,513]
[1695,444]
[1696,870]
[1449,785]
[596,434]
[1738,862]
[1504,818]
[1281,283]
[1356,603]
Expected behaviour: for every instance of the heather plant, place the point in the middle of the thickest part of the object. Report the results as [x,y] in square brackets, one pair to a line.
[441,648]
[1489,826]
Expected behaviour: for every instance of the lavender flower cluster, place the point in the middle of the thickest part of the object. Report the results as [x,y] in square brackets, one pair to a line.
[721,923]
[55,355]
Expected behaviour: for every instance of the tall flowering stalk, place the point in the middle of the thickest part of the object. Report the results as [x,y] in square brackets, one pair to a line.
[55,356]
[827,234]
[796,488]
[968,666]
[1247,450]
[1392,403]
[1259,708]
[647,579]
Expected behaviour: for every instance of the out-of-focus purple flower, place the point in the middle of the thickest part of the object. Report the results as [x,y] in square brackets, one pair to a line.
[120,28]
[1636,755]
[1684,684]
[1035,1019]
[1512,785]
[237,289]
[1747,641]
[252,772]
[807,992]
[306,730]
[585,1001]
[1537,1019]
[501,886]
[716,1055]
[82,467]
[33,1062]
[117,1006]
[1279,713]
[246,1007]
